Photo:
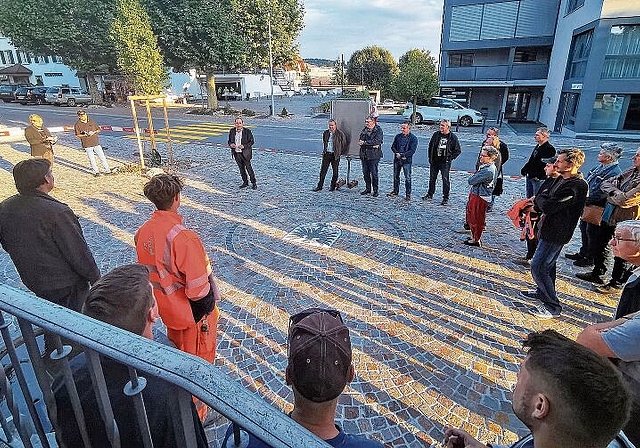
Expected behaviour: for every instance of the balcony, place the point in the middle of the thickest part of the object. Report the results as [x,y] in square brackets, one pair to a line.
[497,72]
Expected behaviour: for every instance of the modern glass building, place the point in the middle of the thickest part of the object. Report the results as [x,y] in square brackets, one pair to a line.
[573,65]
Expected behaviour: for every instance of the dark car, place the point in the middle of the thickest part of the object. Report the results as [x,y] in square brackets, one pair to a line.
[7,91]
[31,95]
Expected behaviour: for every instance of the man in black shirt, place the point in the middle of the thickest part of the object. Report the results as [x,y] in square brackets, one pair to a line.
[533,170]
[444,147]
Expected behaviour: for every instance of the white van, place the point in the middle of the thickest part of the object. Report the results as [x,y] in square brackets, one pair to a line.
[444,109]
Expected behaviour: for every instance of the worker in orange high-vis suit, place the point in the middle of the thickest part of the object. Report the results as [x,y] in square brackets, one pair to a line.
[180,272]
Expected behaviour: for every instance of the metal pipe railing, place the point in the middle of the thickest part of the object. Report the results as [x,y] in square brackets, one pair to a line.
[143,356]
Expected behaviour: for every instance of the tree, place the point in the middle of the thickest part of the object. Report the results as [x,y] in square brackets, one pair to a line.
[306,78]
[138,54]
[417,78]
[338,75]
[287,20]
[373,67]
[198,35]
[78,31]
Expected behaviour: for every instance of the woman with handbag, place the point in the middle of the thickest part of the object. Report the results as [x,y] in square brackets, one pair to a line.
[623,202]
[594,236]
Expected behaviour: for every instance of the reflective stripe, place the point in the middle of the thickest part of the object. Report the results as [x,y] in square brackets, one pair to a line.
[203,279]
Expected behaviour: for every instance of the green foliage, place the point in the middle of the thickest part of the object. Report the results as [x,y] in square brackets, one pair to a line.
[418,79]
[78,31]
[339,73]
[287,19]
[138,54]
[248,113]
[372,66]
[319,62]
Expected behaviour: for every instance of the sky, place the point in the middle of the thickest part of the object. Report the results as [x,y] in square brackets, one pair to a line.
[335,27]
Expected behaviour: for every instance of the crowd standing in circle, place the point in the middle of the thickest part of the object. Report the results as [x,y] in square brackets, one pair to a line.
[320,360]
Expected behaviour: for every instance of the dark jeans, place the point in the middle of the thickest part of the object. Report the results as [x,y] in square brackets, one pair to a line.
[245,168]
[533,185]
[543,271]
[598,247]
[584,239]
[532,245]
[328,159]
[443,168]
[405,167]
[370,173]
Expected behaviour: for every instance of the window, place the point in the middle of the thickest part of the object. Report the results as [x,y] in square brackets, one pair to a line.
[19,57]
[461,60]
[579,55]
[525,55]
[572,5]
[622,59]
[9,56]
[57,59]
[607,110]
[44,59]
[572,107]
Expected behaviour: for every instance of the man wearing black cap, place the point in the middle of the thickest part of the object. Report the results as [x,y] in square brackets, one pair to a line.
[318,371]
[87,131]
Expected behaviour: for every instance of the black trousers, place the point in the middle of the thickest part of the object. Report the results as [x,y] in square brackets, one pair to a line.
[329,159]
[598,247]
[246,170]
[443,169]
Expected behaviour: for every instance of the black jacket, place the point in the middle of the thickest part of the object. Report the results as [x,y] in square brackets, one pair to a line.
[247,142]
[561,202]
[45,242]
[453,146]
[534,167]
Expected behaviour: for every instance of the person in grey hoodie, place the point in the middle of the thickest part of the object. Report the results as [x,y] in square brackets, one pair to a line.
[482,183]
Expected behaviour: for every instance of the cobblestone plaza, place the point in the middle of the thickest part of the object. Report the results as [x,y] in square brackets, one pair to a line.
[436,325]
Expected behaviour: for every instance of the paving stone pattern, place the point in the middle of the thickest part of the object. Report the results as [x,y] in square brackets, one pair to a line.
[435,324]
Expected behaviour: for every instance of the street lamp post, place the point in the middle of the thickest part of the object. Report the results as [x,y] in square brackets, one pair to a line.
[273,104]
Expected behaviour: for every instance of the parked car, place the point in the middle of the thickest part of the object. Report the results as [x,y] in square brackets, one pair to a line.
[444,108]
[390,104]
[7,91]
[67,95]
[31,95]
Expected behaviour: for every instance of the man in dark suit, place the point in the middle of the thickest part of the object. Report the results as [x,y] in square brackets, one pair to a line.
[241,144]
[334,143]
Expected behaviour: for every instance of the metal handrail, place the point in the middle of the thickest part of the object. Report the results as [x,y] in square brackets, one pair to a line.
[194,375]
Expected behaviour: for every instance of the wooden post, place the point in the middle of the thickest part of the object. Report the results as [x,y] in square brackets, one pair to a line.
[166,126]
[137,129]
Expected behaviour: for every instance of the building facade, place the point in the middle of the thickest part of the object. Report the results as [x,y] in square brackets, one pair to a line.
[594,76]
[573,65]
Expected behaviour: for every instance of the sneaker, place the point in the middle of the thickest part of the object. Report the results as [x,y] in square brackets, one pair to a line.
[365,192]
[469,242]
[608,289]
[317,189]
[427,197]
[583,262]
[573,257]
[542,312]
[463,230]
[530,294]
[392,194]
[98,174]
[254,186]
[590,277]
[375,194]
[445,202]
[526,262]
[245,185]
[407,197]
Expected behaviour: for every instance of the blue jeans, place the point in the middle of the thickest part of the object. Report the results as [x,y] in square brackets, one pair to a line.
[443,168]
[398,165]
[370,173]
[543,271]
[533,185]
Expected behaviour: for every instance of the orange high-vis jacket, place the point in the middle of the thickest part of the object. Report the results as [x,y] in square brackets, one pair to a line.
[178,263]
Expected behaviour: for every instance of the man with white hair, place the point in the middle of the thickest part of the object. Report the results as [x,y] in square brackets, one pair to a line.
[533,170]
[620,339]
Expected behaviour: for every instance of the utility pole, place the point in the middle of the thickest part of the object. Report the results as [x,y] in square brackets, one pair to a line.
[342,71]
[273,103]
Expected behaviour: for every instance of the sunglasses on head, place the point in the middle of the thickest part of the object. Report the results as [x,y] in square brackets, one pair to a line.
[296,318]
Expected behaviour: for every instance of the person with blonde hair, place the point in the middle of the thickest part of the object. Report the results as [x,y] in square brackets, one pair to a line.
[40,139]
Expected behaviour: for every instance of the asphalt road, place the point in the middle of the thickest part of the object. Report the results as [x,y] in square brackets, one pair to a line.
[298,135]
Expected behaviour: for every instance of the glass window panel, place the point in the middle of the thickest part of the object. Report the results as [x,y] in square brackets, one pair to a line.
[607,109]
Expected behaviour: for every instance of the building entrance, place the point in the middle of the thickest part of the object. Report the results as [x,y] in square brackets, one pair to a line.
[517,108]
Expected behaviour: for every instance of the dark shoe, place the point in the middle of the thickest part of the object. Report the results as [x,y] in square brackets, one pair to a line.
[427,197]
[317,189]
[542,312]
[445,202]
[530,294]
[407,197]
[365,192]
[526,262]
[583,262]
[574,257]
[472,243]
[463,230]
[254,186]
[97,174]
[375,194]
[392,194]
[245,185]
[590,277]
[332,189]
[608,289]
